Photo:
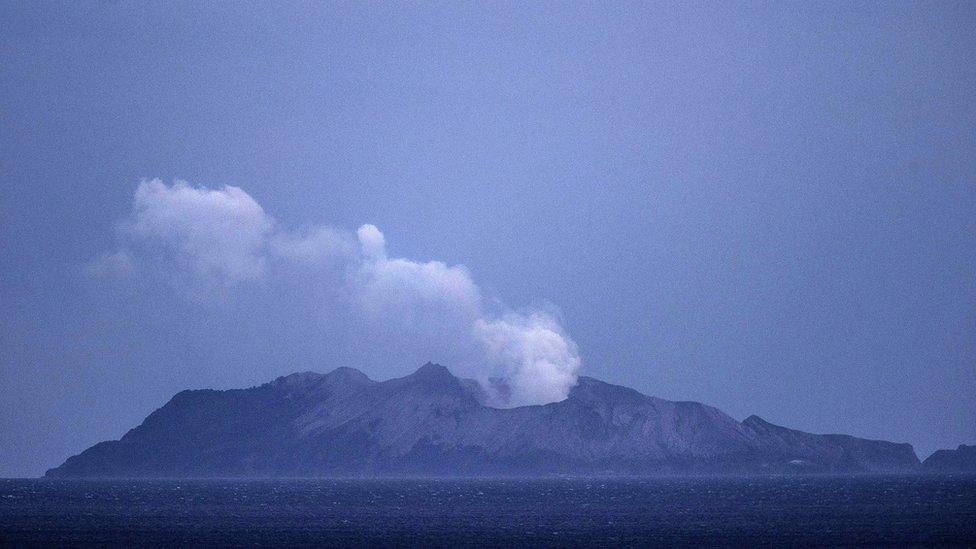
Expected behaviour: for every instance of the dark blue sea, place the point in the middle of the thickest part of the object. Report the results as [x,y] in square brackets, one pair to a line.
[798,511]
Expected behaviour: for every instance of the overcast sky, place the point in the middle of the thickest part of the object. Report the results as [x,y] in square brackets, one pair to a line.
[767,207]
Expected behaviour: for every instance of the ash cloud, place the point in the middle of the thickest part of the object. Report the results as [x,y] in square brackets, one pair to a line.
[213,242]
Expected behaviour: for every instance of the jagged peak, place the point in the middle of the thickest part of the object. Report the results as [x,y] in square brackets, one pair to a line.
[431,369]
[756,420]
[430,378]
[299,378]
[309,378]
[588,388]
[347,373]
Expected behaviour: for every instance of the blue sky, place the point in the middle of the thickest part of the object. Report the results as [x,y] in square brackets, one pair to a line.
[767,207]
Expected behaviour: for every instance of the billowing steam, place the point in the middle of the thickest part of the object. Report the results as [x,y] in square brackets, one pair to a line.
[219,240]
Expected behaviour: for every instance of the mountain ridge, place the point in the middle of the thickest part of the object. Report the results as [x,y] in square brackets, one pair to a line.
[960,460]
[431,422]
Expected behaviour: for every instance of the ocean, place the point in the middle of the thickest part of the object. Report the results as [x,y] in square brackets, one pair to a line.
[714,511]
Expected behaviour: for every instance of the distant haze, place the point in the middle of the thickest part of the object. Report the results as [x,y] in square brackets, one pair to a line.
[766,207]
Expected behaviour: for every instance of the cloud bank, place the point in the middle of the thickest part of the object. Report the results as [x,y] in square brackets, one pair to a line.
[221,240]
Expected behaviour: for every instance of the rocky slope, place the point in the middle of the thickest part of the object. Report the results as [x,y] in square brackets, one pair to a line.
[960,460]
[432,423]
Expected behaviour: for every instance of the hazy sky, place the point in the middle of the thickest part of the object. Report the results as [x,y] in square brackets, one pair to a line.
[767,207]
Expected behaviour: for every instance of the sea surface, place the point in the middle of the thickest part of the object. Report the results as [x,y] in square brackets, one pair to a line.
[798,511]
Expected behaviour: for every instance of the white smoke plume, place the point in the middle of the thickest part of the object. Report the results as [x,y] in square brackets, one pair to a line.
[540,362]
[215,233]
[222,239]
